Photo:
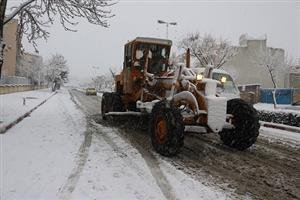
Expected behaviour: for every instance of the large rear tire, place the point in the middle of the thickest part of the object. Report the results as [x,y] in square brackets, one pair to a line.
[117,103]
[106,104]
[245,120]
[111,102]
[166,129]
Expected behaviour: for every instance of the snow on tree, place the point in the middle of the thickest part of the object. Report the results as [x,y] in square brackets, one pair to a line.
[56,67]
[207,50]
[275,63]
[176,58]
[35,16]
[103,82]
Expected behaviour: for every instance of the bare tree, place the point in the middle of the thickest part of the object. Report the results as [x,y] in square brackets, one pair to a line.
[208,50]
[275,63]
[35,16]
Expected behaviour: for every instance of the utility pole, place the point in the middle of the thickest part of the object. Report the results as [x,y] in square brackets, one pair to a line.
[167,25]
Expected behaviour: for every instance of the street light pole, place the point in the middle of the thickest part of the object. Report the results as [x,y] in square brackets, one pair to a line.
[167,25]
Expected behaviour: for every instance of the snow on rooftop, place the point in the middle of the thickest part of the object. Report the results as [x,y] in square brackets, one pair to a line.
[248,37]
[281,108]
[245,37]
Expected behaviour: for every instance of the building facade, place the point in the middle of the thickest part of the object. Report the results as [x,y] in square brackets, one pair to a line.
[31,66]
[10,50]
[246,67]
[292,78]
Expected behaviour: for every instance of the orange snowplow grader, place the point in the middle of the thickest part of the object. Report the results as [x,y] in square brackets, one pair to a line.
[179,98]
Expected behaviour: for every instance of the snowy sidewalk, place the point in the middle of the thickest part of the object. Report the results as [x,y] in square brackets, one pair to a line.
[11,105]
[37,155]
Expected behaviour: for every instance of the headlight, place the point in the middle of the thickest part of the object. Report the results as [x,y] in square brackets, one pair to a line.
[223,79]
[199,77]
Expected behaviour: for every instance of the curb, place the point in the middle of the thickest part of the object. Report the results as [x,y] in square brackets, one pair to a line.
[19,119]
[280,126]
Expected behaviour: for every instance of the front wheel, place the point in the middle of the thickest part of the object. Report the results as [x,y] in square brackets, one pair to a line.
[246,123]
[166,129]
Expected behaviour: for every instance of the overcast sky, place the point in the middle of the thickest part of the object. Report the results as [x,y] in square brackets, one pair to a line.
[103,48]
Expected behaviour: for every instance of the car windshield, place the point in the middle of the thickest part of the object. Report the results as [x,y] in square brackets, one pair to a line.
[227,85]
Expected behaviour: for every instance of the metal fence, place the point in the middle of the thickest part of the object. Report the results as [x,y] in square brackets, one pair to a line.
[283,96]
[14,80]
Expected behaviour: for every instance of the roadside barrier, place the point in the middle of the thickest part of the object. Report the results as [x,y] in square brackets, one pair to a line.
[12,88]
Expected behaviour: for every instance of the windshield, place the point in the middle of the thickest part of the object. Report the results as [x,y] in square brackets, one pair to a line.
[158,56]
[227,85]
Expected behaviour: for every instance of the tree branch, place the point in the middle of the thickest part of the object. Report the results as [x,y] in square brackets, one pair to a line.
[17,11]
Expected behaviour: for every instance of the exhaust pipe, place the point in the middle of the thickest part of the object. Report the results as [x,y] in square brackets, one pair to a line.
[188,58]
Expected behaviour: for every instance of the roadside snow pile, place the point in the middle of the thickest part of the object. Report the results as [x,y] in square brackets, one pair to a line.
[280,136]
[12,105]
[281,116]
[280,109]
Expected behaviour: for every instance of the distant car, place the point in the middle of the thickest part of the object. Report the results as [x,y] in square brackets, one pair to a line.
[91,91]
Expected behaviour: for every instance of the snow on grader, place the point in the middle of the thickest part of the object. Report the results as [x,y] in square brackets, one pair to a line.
[179,98]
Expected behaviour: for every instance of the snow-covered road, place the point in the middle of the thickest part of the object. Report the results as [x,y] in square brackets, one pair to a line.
[60,152]
[64,150]
[119,169]
[268,170]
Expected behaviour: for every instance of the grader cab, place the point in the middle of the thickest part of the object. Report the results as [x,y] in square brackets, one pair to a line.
[142,56]
[179,98]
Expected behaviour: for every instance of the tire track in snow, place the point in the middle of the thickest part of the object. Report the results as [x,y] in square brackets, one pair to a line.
[260,172]
[265,171]
[149,158]
[82,155]
[80,160]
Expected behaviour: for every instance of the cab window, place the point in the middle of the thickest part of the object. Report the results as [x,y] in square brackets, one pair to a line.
[128,54]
